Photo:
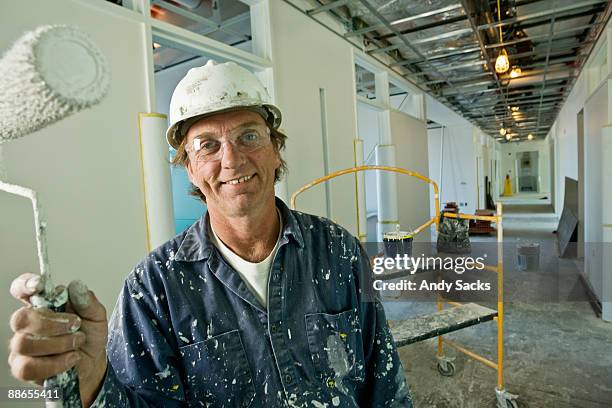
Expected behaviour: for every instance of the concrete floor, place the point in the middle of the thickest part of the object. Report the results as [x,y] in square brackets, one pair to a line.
[557,354]
[527,198]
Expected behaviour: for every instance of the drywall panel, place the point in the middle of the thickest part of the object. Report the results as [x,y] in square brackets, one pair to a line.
[552,164]
[368,130]
[606,199]
[86,168]
[566,139]
[595,118]
[479,168]
[452,165]
[409,136]
[606,304]
[314,86]
[452,157]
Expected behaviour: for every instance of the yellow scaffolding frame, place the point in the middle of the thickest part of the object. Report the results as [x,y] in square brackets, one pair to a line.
[502,395]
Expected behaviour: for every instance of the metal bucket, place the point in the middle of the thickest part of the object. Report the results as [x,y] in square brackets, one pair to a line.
[528,256]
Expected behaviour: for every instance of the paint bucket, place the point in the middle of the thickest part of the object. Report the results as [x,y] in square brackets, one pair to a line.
[397,243]
[528,256]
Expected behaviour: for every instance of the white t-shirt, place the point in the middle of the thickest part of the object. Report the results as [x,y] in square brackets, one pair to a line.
[254,275]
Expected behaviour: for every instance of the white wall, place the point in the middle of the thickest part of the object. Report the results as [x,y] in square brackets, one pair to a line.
[86,168]
[485,151]
[308,57]
[607,222]
[595,118]
[565,132]
[458,179]
[409,135]
[409,103]
[591,93]
[553,168]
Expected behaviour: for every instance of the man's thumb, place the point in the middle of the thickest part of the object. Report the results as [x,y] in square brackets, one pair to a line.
[84,302]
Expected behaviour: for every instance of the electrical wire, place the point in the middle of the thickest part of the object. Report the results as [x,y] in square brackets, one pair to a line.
[501,38]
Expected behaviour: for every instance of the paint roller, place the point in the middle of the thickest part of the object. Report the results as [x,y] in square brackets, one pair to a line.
[48,74]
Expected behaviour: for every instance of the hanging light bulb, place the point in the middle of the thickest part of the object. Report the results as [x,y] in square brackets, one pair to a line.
[516,72]
[530,136]
[502,131]
[502,63]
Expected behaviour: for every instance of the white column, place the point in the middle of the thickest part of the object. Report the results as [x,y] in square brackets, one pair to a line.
[156,179]
[382,98]
[360,193]
[381,83]
[609,53]
[261,28]
[386,182]
[606,199]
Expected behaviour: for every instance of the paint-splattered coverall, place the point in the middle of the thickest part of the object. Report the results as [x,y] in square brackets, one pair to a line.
[186,330]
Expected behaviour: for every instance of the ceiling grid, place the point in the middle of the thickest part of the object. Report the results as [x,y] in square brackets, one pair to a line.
[448,49]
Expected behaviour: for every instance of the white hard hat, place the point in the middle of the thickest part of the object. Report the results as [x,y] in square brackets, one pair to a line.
[216,88]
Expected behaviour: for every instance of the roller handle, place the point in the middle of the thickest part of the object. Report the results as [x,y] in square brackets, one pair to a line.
[67,383]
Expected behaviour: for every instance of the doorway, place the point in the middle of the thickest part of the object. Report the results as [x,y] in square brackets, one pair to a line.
[527,171]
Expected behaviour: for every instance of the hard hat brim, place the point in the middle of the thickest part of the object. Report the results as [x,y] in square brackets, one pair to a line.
[174,136]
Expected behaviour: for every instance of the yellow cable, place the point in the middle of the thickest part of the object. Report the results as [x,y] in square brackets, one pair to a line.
[501,39]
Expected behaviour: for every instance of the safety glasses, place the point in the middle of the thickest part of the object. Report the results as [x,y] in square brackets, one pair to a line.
[208,148]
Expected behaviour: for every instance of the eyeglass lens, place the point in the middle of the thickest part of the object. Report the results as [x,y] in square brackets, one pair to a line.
[246,141]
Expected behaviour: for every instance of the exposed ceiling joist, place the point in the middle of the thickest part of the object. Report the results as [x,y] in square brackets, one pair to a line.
[403,20]
[450,50]
[327,7]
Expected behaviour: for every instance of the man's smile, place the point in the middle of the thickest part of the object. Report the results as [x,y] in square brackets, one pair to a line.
[239,180]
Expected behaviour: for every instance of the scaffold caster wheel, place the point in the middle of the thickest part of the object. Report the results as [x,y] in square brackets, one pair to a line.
[446,368]
[506,399]
[511,404]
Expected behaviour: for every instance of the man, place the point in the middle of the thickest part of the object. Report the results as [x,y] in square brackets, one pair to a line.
[252,306]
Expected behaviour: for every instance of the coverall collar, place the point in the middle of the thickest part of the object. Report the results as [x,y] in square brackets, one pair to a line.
[197,246]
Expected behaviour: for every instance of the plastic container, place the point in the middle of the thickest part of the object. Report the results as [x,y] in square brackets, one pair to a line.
[528,256]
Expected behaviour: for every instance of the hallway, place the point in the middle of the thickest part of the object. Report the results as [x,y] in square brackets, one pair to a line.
[553,340]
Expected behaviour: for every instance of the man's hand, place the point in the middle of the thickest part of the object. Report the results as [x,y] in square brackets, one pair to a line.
[46,343]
